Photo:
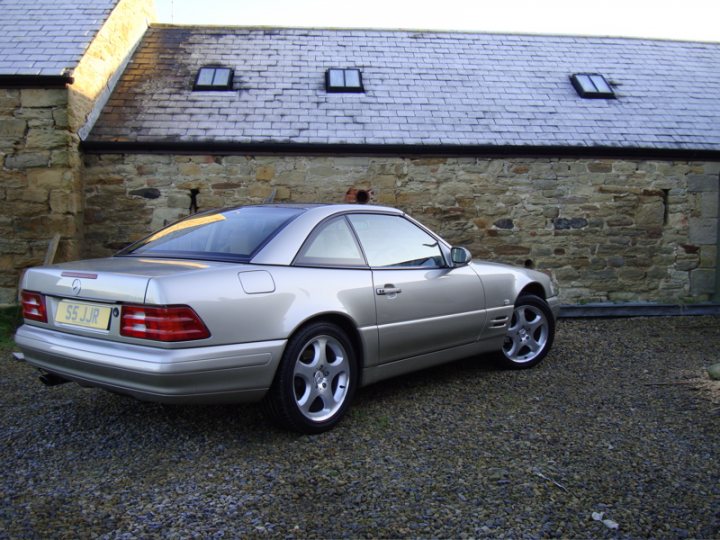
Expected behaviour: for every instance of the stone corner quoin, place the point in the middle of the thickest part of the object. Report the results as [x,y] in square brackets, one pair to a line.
[41,179]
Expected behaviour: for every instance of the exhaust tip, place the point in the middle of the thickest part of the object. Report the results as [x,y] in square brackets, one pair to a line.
[50,379]
[18,356]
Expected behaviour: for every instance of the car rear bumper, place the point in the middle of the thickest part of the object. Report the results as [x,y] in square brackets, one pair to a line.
[225,373]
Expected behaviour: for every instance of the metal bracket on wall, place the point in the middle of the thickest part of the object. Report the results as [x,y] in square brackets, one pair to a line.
[193,200]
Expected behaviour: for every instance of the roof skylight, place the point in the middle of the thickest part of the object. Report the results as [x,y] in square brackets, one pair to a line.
[214,78]
[343,80]
[592,86]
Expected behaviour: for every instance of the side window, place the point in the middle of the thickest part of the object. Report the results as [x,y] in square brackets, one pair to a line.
[332,244]
[395,242]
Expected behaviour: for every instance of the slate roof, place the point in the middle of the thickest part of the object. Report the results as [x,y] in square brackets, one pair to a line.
[421,89]
[48,37]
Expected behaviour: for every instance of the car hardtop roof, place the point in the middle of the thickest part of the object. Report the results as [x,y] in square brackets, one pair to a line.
[325,208]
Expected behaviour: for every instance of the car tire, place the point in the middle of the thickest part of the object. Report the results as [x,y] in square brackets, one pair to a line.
[530,333]
[315,381]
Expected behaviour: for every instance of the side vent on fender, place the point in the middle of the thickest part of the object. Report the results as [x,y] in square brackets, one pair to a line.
[499,322]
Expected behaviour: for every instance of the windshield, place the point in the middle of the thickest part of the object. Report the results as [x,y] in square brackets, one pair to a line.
[235,234]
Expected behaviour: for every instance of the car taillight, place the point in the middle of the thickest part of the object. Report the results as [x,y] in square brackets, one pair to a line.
[162,323]
[33,306]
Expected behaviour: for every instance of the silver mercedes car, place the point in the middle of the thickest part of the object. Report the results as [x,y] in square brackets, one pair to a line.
[294,305]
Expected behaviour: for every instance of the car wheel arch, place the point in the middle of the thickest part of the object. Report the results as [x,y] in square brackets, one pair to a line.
[530,333]
[346,324]
[332,345]
[535,289]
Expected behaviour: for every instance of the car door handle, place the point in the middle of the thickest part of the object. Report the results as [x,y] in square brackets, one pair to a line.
[388,289]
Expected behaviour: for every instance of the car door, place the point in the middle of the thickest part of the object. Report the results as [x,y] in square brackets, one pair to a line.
[423,305]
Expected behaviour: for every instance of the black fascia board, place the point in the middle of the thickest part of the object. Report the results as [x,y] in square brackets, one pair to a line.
[435,150]
[35,81]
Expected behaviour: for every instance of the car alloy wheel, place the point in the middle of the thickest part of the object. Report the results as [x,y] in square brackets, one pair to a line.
[321,378]
[530,333]
[315,380]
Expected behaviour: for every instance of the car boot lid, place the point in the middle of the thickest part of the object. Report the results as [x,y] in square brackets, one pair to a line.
[117,279]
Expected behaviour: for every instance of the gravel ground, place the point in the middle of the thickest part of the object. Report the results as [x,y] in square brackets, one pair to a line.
[608,438]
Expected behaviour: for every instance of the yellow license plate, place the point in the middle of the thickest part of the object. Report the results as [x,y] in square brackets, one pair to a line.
[85,315]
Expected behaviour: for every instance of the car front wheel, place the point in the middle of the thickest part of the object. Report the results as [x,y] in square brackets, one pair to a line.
[316,380]
[530,334]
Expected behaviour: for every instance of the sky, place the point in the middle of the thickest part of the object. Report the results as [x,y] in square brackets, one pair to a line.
[694,20]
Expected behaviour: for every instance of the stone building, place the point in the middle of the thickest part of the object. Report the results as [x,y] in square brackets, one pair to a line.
[58,61]
[594,159]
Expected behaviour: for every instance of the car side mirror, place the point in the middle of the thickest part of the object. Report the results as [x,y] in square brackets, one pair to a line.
[460,256]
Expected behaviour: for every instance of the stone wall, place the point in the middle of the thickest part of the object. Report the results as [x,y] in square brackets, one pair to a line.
[607,230]
[40,189]
[40,165]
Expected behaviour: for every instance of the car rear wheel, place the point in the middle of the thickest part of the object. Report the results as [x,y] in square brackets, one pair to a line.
[530,334]
[315,381]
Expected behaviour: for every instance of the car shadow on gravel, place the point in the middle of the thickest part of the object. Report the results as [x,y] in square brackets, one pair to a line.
[89,410]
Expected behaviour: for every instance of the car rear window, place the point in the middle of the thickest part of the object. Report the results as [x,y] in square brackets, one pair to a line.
[235,234]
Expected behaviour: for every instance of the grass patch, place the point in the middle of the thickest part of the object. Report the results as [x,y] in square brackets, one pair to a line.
[9,321]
